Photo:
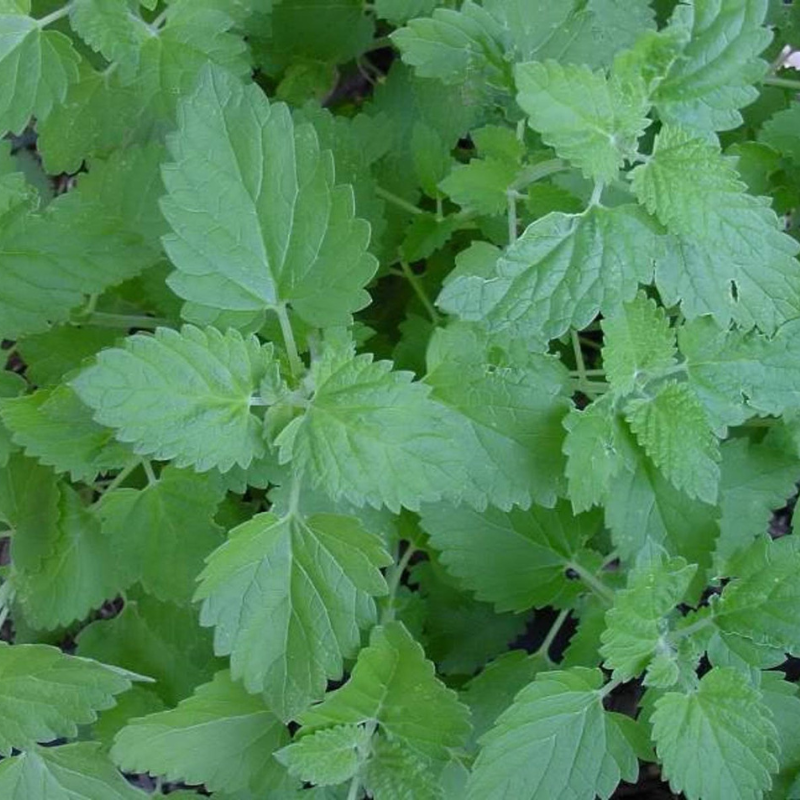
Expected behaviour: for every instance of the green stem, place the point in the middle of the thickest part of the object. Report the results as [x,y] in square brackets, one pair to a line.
[784,83]
[122,476]
[580,365]
[545,646]
[123,321]
[295,364]
[610,686]
[159,21]
[294,495]
[593,582]
[390,197]
[537,172]
[55,16]
[355,788]
[597,373]
[511,199]
[394,583]
[597,193]
[419,290]
[689,630]
[148,470]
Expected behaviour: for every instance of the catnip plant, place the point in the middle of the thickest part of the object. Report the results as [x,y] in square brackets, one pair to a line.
[396,399]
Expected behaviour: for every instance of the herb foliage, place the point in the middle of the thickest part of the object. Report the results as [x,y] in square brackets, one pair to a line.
[369,338]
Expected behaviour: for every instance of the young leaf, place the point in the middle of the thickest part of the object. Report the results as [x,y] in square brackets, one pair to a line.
[80,771]
[731,259]
[165,531]
[674,431]
[638,343]
[555,741]
[327,757]
[372,436]
[394,685]
[221,737]
[253,252]
[287,591]
[636,629]
[36,67]
[531,552]
[706,88]
[394,770]
[561,272]
[513,402]
[717,742]
[46,694]
[592,122]
[164,393]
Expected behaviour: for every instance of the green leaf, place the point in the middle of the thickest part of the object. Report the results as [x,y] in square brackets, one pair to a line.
[29,503]
[396,771]
[57,592]
[286,591]
[561,272]
[481,185]
[756,479]
[54,427]
[636,626]
[395,686]
[674,431]
[253,253]
[136,702]
[45,694]
[762,602]
[163,394]
[165,531]
[593,122]
[327,757]
[731,258]
[513,403]
[372,436]
[161,640]
[594,453]
[221,737]
[112,28]
[531,551]
[36,67]
[716,743]
[780,132]
[638,343]
[714,79]
[78,771]
[781,699]
[555,741]
[493,690]
[399,11]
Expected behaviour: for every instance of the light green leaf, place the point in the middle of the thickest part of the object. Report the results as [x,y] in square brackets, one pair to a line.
[481,185]
[327,757]
[555,741]
[762,602]
[253,253]
[731,258]
[164,393]
[531,551]
[78,771]
[165,531]
[396,772]
[756,479]
[594,453]
[493,690]
[288,591]
[393,684]
[372,436]
[111,27]
[781,699]
[54,427]
[781,132]
[161,640]
[593,122]
[57,592]
[716,743]
[399,11]
[635,625]
[45,694]
[561,272]
[638,343]
[221,737]
[513,403]
[36,67]
[136,702]
[706,88]
[674,431]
